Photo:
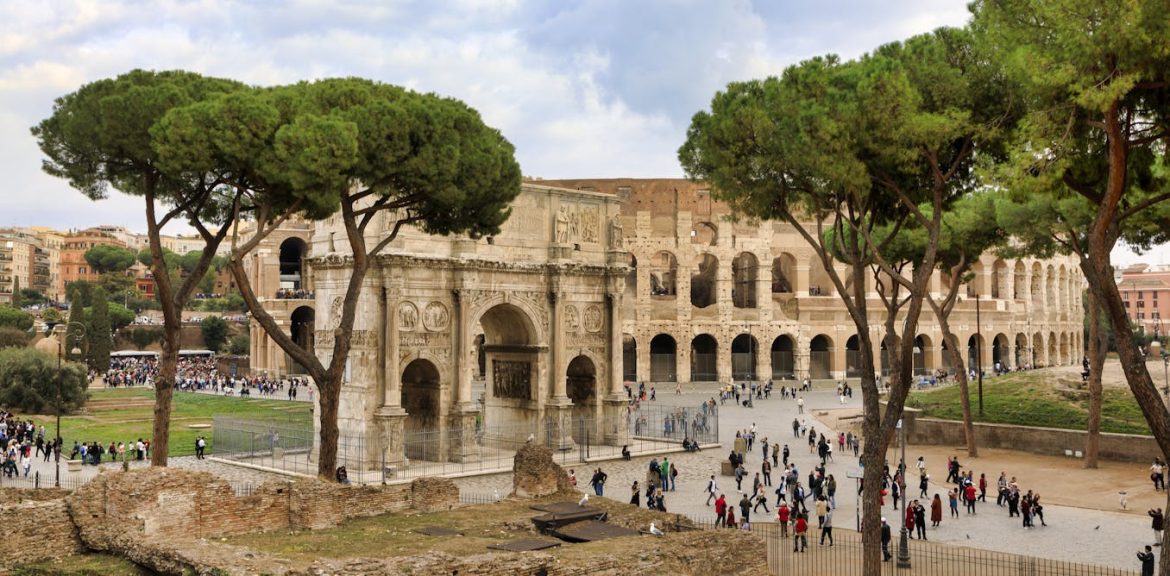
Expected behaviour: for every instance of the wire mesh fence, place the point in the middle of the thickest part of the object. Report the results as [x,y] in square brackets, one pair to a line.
[647,427]
[840,554]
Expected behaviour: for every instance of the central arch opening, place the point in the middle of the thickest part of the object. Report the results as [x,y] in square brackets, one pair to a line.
[663,359]
[421,393]
[301,331]
[783,364]
[512,364]
[743,357]
[853,357]
[820,358]
[292,254]
[581,387]
[703,285]
[704,355]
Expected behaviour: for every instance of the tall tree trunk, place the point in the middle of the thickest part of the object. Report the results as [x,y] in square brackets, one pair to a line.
[330,397]
[961,380]
[164,390]
[1096,357]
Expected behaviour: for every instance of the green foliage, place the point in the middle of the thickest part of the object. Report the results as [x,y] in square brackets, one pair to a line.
[120,316]
[215,332]
[32,296]
[15,318]
[170,258]
[17,301]
[28,382]
[50,316]
[12,337]
[116,283]
[79,293]
[240,345]
[105,258]
[100,332]
[142,337]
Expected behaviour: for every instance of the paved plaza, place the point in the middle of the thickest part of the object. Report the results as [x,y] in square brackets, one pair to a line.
[1085,523]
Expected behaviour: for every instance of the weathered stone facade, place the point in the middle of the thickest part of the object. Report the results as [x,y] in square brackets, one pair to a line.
[595,282]
[709,298]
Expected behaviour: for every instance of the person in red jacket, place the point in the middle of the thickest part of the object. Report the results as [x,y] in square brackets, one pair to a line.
[783,515]
[720,511]
[800,533]
[983,487]
[971,496]
[910,520]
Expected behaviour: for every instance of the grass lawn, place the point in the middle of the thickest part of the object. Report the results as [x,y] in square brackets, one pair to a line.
[1035,398]
[82,565]
[126,414]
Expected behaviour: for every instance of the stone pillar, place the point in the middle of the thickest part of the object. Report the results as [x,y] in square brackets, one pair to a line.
[390,417]
[616,432]
[643,353]
[682,360]
[723,359]
[558,407]
[801,287]
[463,446]
[763,360]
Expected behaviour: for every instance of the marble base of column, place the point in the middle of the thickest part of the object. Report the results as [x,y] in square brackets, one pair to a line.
[558,415]
[390,425]
[617,427]
[463,443]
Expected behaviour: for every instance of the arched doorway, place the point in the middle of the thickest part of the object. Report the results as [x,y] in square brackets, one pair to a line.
[783,273]
[1022,356]
[974,352]
[663,359]
[513,368]
[820,358]
[744,271]
[705,234]
[783,364]
[663,275]
[629,358]
[999,279]
[704,359]
[1053,355]
[853,357]
[743,357]
[422,400]
[1037,350]
[292,255]
[581,387]
[999,352]
[703,281]
[923,355]
[301,331]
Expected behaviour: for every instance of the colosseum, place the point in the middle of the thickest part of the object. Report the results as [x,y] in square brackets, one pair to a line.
[595,283]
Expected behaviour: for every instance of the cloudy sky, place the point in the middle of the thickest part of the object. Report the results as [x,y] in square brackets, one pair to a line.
[598,88]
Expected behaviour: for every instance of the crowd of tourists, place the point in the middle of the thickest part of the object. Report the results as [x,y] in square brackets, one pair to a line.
[199,374]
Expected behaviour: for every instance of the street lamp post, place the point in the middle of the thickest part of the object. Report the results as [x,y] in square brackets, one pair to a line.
[904,535]
[58,445]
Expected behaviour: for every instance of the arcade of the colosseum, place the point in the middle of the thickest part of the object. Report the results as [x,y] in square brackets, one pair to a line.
[592,283]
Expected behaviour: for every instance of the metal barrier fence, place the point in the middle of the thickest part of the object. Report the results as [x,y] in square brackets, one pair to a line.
[650,427]
[844,557]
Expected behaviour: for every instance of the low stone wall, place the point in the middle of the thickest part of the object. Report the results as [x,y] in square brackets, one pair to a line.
[32,531]
[1050,441]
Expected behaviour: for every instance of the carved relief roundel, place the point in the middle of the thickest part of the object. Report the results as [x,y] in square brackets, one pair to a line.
[435,317]
[593,318]
[407,317]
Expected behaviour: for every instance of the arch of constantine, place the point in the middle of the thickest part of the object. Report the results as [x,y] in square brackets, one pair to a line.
[591,283]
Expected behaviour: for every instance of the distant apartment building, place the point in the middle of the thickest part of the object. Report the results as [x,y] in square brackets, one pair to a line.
[1145,290]
[77,243]
[24,263]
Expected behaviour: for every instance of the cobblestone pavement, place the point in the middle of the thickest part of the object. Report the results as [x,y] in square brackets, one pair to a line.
[1073,534]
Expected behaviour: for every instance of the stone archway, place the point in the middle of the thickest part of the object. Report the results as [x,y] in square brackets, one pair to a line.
[820,361]
[581,387]
[744,351]
[783,361]
[514,366]
[704,358]
[301,323]
[293,252]
[422,401]
[663,359]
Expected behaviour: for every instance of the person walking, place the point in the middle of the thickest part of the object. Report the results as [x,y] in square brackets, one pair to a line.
[1001,487]
[827,528]
[800,405]
[783,516]
[1157,522]
[598,482]
[800,534]
[745,508]
[673,476]
[936,511]
[1147,560]
[923,483]
[982,487]
[970,497]
[953,498]
[712,488]
[766,469]
[761,499]
[920,518]
[721,511]
[636,495]
[776,455]
[886,537]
